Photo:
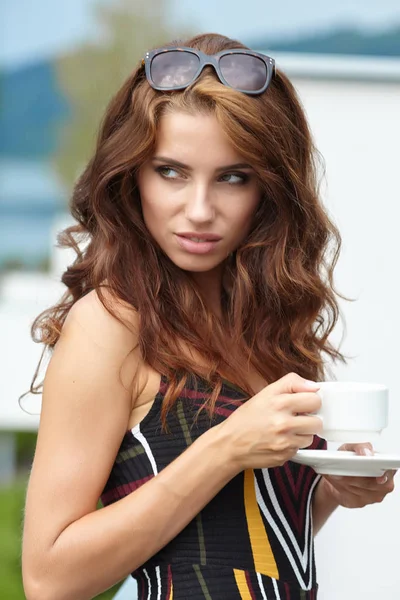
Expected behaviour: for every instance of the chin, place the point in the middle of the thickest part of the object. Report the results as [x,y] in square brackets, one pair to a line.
[199,269]
[198,266]
[196,263]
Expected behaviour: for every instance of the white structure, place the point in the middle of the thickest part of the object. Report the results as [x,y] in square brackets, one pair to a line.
[353,105]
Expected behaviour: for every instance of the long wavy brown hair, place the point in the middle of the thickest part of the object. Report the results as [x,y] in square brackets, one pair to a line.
[279,302]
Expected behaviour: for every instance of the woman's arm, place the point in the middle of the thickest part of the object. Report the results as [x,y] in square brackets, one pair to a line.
[71,551]
[323,505]
[349,492]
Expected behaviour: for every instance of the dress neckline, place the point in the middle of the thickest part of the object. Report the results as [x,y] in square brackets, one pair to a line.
[155,407]
[225,382]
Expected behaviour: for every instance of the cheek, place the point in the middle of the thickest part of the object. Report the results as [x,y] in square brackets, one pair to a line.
[157,214]
[150,196]
[147,205]
[243,220]
[152,215]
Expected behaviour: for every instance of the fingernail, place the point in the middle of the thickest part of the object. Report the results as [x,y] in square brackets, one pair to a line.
[311,384]
[384,480]
[368,452]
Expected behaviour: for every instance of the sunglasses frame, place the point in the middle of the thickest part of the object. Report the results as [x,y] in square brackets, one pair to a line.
[208,60]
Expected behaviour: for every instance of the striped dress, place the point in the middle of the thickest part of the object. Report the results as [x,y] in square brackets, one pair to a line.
[252,541]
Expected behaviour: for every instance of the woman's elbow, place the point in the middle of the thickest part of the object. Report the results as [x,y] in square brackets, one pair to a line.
[33,589]
[40,588]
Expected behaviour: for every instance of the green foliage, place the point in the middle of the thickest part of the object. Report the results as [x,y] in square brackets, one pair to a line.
[17,264]
[12,500]
[12,264]
[94,72]
[25,448]
[11,507]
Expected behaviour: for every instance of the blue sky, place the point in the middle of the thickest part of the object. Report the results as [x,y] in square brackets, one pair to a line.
[32,29]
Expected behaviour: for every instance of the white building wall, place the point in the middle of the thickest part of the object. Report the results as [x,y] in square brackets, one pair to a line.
[357,129]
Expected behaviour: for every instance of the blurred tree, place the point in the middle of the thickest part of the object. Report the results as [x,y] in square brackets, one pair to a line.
[91,74]
[13,264]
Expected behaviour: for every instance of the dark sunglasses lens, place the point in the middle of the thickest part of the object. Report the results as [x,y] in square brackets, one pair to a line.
[243,71]
[173,69]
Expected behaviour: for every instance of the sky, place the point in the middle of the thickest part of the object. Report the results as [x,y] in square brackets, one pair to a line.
[34,29]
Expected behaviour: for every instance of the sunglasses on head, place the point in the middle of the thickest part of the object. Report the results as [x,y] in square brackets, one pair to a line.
[172,68]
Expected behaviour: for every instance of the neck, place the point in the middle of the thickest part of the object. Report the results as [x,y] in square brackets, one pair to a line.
[210,285]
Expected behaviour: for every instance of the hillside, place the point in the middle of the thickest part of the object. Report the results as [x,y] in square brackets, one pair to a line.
[341,41]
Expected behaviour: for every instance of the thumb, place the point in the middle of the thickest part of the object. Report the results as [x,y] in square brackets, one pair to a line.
[362,449]
[292,383]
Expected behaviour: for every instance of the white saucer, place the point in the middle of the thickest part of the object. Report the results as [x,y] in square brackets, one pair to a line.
[344,463]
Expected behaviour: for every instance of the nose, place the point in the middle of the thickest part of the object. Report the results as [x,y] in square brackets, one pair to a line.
[199,208]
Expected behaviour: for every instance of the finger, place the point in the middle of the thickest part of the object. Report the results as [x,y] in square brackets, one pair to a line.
[382,480]
[292,383]
[303,441]
[305,425]
[366,449]
[364,483]
[391,474]
[301,402]
[364,486]
[362,449]
[369,493]
[343,485]
[387,477]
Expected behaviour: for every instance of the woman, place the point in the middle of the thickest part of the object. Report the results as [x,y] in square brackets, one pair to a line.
[186,348]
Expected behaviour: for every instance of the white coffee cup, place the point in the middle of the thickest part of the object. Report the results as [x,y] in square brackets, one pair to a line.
[353,411]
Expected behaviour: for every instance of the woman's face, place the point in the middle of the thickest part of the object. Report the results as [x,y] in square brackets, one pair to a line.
[197,186]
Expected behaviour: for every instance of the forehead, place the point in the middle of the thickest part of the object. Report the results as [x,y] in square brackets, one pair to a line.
[194,137]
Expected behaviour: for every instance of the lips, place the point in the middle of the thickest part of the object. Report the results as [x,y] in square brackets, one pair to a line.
[197,243]
[202,237]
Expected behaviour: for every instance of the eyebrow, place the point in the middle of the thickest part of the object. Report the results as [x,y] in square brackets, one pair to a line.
[171,161]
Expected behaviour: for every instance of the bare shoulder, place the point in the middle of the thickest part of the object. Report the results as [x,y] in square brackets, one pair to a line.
[112,330]
[104,327]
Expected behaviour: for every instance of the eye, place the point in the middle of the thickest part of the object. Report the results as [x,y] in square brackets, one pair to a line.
[236,178]
[167,172]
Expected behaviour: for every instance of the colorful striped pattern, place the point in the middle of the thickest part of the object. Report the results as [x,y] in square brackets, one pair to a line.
[263,556]
[252,541]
